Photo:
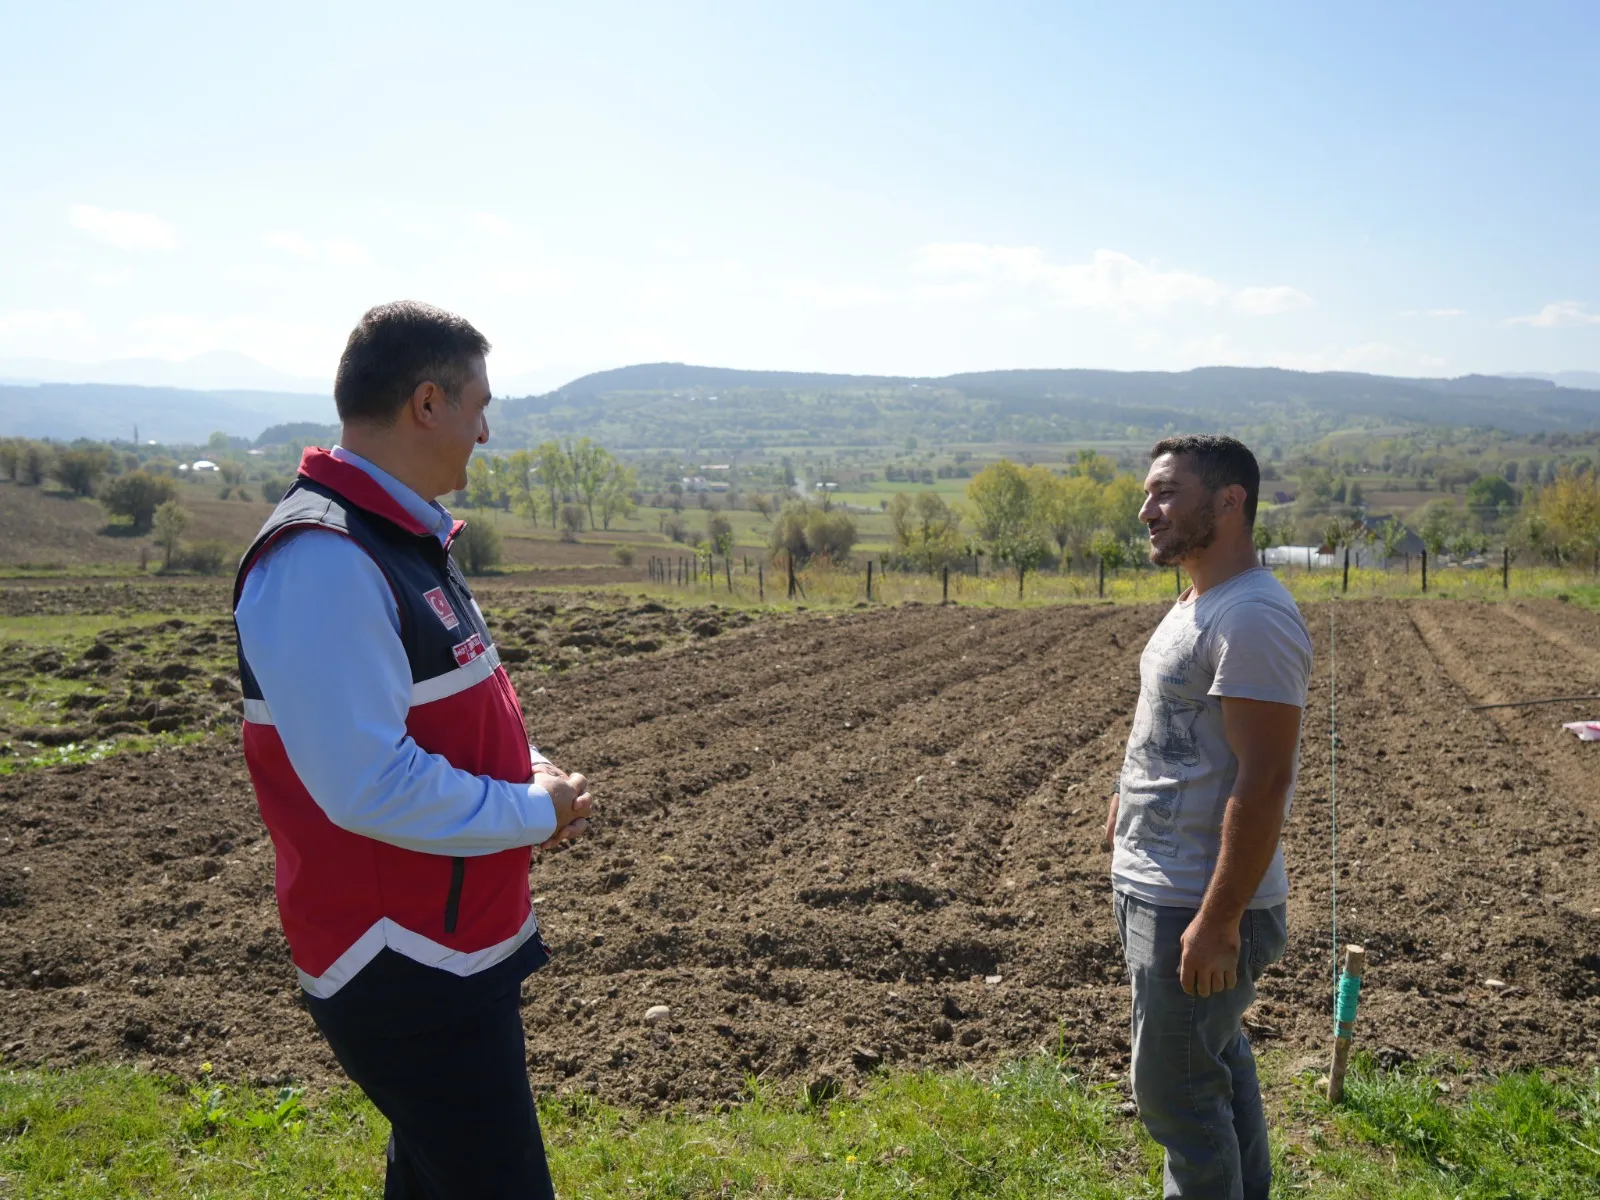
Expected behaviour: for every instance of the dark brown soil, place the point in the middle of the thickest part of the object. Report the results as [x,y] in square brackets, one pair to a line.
[835,843]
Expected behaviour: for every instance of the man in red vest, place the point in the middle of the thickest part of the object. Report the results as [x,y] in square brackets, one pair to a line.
[394,771]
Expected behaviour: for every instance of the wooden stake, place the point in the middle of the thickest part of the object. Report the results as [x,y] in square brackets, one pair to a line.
[1344,1018]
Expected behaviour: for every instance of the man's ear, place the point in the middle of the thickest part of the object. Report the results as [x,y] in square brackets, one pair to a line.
[425,402]
[1233,497]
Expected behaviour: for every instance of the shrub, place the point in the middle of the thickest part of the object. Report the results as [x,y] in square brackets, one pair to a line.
[571,522]
[206,559]
[478,548]
[623,555]
[804,532]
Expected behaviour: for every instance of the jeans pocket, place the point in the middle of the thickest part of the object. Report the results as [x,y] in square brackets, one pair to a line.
[1268,937]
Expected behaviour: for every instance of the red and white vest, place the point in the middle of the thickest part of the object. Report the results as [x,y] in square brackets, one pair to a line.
[343,897]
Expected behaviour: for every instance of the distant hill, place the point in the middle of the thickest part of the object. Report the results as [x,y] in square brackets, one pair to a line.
[654,405]
[220,370]
[674,404]
[103,411]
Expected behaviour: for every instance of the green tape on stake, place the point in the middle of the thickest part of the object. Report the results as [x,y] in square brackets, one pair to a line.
[1344,1008]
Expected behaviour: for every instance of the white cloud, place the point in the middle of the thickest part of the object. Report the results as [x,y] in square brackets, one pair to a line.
[1557,313]
[840,296]
[27,328]
[336,250]
[1433,312]
[302,346]
[1110,281]
[1376,358]
[1265,301]
[124,230]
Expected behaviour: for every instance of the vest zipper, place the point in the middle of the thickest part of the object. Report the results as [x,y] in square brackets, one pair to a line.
[458,874]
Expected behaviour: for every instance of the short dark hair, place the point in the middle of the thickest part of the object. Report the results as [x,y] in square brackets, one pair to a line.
[1220,462]
[394,349]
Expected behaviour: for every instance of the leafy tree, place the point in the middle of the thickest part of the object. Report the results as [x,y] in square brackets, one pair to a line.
[590,466]
[1068,507]
[33,464]
[554,472]
[927,530]
[232,473]
[484,487]
[1490,496]
[803,532]
[719,534]
[78,470]
[1006,520]
[1440,522]
[1390,536]
[1096,466]
[1120,503]
[170,522]
[1109,549]
[1569,513]
[617,493]
[136,496]
[10,457]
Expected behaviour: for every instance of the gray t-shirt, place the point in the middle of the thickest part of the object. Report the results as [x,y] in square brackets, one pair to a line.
[1242,638]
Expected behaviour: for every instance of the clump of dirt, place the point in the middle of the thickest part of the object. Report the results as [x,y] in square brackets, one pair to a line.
[173,677]
[831,845]
[533,630]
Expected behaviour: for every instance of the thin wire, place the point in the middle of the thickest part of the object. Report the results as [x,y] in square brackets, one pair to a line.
[1333,775]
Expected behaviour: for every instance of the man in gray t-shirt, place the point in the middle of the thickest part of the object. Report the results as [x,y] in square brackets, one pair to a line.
[1197,870]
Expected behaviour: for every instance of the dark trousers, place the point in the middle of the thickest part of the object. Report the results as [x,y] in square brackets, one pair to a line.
[442,1057]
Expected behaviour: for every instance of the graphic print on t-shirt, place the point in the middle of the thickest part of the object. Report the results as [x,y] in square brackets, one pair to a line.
[1242,638]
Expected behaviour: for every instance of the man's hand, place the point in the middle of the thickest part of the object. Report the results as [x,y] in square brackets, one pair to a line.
[1109,843]
[1210,962]
[573,804]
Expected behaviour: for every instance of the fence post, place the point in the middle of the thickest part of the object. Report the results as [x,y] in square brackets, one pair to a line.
[1505,569]
[761,582]
[1346,569]
[727,571]
[869,581]
[1102,575]
[1424,572]
[946,599]
[791,576]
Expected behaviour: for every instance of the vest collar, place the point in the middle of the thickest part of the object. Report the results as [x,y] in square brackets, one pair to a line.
[359,488]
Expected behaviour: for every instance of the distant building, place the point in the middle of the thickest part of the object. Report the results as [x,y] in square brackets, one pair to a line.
[1283,497]
[205,464]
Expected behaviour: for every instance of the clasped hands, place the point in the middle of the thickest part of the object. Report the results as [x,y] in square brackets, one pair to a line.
[570,796]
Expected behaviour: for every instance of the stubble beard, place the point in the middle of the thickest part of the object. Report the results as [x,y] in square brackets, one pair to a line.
[1187,535]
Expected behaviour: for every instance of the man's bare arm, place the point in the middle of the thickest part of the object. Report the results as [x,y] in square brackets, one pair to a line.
[1264,737]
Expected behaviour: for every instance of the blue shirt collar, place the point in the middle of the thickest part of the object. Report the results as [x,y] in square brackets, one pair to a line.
[430,513]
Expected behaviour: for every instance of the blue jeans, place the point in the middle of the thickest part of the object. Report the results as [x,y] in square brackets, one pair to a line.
[1194,1077]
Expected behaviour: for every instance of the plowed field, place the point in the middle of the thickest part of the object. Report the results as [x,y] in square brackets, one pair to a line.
[835,843]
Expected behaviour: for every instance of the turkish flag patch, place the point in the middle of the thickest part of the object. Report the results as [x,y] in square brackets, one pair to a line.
[441,608]
[468,650]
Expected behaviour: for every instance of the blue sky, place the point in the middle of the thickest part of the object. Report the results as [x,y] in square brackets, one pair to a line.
[1403,188]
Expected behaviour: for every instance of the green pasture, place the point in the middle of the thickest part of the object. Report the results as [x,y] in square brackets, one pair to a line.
[1031,1129]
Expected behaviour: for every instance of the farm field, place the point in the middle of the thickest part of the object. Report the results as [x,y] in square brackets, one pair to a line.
[832,843]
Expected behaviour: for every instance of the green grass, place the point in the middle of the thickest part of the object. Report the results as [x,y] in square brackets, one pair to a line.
[34,697]
[1030,1129]
[93,751]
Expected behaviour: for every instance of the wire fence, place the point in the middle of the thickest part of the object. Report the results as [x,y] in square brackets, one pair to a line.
[755,579]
